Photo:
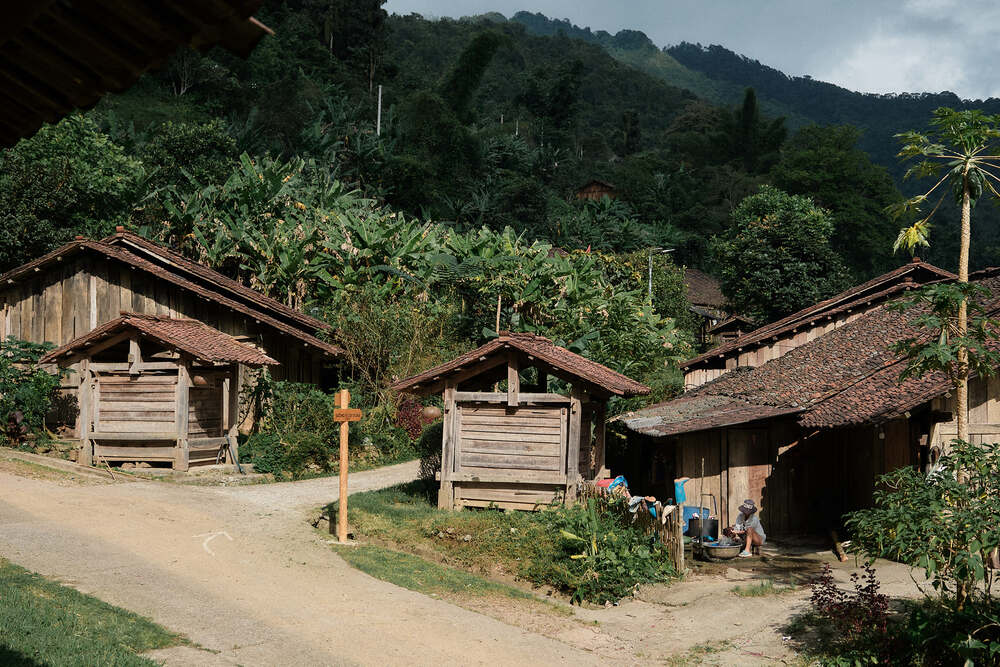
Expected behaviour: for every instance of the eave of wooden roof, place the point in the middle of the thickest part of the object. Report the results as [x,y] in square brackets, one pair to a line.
[58,56]
[264,311]
[538,349]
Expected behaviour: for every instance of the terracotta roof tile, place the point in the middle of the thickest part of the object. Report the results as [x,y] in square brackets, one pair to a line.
[703,289]
[541,348]
[873,291]
[847,376]
[191,337]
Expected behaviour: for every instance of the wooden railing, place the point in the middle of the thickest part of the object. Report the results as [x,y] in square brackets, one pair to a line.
[667,526]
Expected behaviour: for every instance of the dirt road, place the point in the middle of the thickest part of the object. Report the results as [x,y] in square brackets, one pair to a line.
[235,570]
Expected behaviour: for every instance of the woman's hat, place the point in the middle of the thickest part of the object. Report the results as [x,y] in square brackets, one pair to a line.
[748,507]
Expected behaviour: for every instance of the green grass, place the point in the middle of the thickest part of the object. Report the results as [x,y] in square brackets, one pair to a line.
[760,589]
[406,517]
[696,655]
[495,545]
[417,574]
[44,623]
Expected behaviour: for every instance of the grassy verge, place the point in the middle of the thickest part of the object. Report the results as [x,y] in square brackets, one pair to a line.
[417,574]
[44,623]
[539,548]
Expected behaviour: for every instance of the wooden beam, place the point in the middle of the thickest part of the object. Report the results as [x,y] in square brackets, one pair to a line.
[85,399]
[183,392]
[136,436]
[501,397]
[233,412]
[134,356]
[500,475]
[513,381]
[572,462]
[446,494]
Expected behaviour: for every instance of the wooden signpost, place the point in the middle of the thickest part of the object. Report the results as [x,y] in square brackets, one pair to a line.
[344,416]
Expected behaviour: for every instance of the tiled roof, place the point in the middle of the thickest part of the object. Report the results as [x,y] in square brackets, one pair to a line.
[699,412]
[191,337]
[261,308]
[731,322]
[860,296]
[847,376]
[703,289]
[541,348]
[139,245]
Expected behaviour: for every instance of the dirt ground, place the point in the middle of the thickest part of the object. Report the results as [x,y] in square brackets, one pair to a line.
[241,573]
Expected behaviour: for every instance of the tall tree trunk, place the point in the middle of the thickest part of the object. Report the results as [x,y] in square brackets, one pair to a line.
[962,393]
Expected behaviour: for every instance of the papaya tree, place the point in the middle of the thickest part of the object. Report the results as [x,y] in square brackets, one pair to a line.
[962,149]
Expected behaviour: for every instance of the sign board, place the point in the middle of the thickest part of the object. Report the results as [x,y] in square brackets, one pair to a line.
[346,415]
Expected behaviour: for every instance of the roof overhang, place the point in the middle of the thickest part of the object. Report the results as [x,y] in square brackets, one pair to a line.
[57,56]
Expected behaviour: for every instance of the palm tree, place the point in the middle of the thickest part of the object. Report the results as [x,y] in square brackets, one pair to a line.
[961,145]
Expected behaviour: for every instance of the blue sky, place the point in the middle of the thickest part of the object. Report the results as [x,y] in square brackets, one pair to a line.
[867,45]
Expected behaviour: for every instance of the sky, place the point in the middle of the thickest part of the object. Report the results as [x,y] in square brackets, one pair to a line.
[883,46]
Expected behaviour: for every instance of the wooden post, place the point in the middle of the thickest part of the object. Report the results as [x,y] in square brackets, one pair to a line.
[600,418]
[231,410]
[513,381]
[183,386]
[85,400]
[344,415]
[446,494]
[134,356]
[573,450]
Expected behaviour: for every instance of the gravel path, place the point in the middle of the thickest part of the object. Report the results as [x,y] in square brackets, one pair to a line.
[237,571]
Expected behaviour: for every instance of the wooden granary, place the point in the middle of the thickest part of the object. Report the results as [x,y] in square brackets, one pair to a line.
[157,389]
[525,446]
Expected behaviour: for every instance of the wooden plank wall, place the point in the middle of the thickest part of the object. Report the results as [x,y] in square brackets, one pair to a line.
[67,300]
[983,415]
[512,439]
[205,406]
[144,403]
[519,443]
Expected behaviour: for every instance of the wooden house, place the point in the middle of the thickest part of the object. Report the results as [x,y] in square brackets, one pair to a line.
[157,389]
[777,338]
[806,435]
[704,294]
[595,190]
[84,284]
[729,329]
[525,446]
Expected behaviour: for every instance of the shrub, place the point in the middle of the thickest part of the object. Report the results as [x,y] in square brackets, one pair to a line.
[600,556]
[296,432]
[859,617]
[429,450]
[942,525]
[26,391]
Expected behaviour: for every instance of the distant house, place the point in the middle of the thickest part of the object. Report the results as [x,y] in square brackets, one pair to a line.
[78,287]
[730,329]
[595,189]
[707,302]
[773,340]
[807,434]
